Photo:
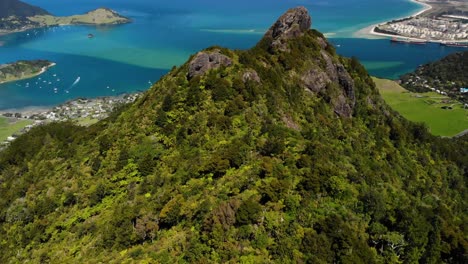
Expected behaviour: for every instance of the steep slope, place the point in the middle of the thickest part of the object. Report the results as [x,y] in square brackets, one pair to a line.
[447,75]
[19,9]
[281,153]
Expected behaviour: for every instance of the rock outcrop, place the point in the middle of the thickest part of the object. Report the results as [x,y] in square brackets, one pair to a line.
[294,23]
[205,61]
[316,80]
[251,75]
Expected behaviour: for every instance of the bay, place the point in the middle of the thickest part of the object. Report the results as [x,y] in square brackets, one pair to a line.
[131,57]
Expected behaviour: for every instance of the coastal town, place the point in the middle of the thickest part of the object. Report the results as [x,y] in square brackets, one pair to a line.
[440,29]
[445,22]
[84,111]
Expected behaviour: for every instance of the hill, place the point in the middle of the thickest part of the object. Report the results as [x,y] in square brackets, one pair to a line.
[282,153]
[21,21]
[447,75]
[19,9]
[100,16]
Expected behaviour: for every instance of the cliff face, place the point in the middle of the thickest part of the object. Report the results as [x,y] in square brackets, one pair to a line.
[281,153]
[19,9]
[294,23]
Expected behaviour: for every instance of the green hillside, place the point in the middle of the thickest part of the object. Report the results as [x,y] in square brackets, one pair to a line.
[284,153]
[446,75]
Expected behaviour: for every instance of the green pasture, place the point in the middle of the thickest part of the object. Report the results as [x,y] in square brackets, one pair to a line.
[426,108]
[8,128]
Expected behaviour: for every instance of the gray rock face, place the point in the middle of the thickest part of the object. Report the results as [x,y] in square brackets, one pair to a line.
[342,106]
[347,83]
[251,75]
[322,43]
[205,61]
[294,23]
[316,80]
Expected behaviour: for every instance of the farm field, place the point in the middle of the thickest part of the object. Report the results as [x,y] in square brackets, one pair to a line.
[426,107]
[8,128]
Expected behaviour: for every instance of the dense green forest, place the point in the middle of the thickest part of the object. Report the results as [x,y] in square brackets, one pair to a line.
[284,153]
[447,75]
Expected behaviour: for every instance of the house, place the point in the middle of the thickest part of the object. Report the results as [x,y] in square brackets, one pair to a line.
[463,90]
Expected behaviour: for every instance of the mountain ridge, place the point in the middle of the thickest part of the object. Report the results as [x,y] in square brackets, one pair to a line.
[280,153]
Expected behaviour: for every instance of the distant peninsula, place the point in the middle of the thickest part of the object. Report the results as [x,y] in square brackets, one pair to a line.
[23,70]
[18,16]
[443,21]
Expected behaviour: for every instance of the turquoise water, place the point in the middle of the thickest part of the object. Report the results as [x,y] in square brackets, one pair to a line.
[130,57]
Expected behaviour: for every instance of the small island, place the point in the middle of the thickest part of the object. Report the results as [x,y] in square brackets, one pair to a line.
[443,21]
[21,70]
[18,16]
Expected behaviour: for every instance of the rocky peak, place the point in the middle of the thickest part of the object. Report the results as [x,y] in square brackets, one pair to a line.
[292,24]
[205,61]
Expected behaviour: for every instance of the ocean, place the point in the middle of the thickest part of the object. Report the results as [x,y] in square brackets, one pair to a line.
[128,58]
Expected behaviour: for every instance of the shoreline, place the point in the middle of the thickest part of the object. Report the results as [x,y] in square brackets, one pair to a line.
[86,19]
[29,110]
[43,70]
[370,33]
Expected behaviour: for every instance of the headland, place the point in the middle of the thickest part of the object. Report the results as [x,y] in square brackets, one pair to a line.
[100,16]
[23,69]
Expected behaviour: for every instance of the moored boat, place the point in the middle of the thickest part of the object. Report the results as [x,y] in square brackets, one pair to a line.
[408,41]
[455,44]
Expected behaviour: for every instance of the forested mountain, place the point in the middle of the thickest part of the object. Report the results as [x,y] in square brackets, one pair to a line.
[282,153]
[448,75]
[19,9]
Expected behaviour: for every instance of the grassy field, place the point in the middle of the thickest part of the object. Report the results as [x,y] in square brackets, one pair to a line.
[426,108]
[8,128]
[86,121]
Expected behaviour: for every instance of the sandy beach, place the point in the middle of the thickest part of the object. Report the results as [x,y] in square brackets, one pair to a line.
[369,32]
